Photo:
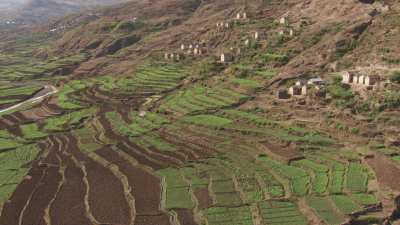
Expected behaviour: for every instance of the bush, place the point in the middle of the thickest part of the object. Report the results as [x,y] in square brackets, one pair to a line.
[395,77]
[391,99]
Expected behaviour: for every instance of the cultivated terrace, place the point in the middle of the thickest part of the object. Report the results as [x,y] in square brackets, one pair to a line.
[190,112]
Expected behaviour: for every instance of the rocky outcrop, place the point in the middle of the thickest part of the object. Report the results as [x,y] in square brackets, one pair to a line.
[117,45]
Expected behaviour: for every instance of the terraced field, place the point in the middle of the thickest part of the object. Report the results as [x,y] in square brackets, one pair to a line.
[140,151]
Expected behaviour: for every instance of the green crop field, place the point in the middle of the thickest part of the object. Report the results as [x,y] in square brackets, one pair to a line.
[281,212]
[32,132]
[229,216]
[299,179]
[357,178]
[325,210]
[345,204]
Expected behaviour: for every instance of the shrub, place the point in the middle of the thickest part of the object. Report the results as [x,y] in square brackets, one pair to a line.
[391,99]
[395,77]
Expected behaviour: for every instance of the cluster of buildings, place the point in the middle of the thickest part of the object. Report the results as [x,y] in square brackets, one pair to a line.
[228,55]
[286,29]
[355,79]
[303,88]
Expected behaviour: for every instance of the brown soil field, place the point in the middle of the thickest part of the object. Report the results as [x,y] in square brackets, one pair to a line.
[282,153]
[146,190]
[14,206]
[185,216]
[204,198]
[44,192]
[106,199]
[140,157]
[386,173]
[106,195]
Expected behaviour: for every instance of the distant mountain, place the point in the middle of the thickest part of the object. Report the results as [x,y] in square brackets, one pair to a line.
[42,11]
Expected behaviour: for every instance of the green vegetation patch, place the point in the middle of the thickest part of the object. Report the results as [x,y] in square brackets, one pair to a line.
[32,132]
[281,212]
[229,215]
[357,178]
[345,204]
[139,126]
[69,120]
[177,190]
[207,120]
[320,178]
[299,179]
[324,209]
[199,98]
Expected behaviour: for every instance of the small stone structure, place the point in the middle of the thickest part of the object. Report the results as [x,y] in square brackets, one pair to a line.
[349,77]
[257,35]
[289,32]
[226,57]
[223,25]
[283,20]
[295,90]
[241,16]
[173,56]
[183,47]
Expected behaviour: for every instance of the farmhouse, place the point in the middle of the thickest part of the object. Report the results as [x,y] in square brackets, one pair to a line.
[226,57]
[371,80]
[259,35]
[304,90]
[197,51]
[241,16]
[347,77]
[173,56]
[283,20]
[295,90]
[355,79]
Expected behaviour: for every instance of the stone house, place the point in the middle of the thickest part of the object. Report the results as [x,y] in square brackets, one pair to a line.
[197,51]
[371,80]
[295,90]
[347,77]
[226,57]
[283,20]
[304,90]
[355,79]
[241,16]
[259,35]
[361,80]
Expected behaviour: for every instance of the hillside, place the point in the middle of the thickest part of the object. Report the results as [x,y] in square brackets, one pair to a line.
[39,12]
[203,112]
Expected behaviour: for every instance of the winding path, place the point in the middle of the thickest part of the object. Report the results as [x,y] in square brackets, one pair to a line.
[46,91]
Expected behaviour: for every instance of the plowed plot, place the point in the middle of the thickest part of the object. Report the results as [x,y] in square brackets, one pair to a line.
[68,207]
[203,197]
[13,208]
[282,153]
[185,216]
[386,172]
[46,190]
[146,190]
[106,195]
[106,199]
